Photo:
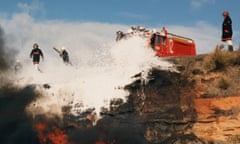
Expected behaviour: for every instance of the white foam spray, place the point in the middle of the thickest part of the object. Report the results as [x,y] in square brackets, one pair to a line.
[93,86]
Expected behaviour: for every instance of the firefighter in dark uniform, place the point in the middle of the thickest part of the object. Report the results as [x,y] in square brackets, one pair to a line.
[35,54]
[152,40]
[227,30]
[120,35]
[64,55]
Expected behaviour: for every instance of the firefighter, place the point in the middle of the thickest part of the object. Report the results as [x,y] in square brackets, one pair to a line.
[120,35]
[153,39]
[64,55]
[163,33]
[227,30]
[35,54]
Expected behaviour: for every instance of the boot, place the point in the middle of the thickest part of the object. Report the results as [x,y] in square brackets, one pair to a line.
[230,48]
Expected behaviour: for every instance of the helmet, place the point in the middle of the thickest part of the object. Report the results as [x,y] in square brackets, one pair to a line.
[63,48]
[35,45]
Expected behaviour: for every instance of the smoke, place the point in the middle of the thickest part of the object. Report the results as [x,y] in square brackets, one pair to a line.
[122,134]
[15,124]
[6,55]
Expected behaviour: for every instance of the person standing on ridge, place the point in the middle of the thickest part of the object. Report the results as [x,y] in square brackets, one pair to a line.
[35,55]
[227,30]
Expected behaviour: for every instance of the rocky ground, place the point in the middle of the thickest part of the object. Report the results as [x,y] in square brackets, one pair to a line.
[198,104]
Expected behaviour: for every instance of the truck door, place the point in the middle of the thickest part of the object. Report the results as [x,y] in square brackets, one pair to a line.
[160,45]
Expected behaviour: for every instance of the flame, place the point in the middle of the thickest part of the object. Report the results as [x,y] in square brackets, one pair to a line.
[50,134]
[108,142]
[100,142]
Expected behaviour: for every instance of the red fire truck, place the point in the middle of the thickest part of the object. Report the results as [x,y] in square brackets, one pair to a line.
[165,44]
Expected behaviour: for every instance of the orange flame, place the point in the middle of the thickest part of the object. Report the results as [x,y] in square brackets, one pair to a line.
[100,142]
[108,142]
[50,134]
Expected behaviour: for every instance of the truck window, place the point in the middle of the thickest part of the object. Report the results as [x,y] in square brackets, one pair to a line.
[158,40]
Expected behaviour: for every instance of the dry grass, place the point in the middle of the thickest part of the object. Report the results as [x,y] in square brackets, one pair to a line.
[216,74]
[219,59]
[235,139]
[224,83]
[221,72]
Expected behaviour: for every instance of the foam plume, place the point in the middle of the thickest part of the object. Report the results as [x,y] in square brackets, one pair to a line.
[95,85]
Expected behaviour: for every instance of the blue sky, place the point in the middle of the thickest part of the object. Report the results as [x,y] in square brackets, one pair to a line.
[200,20]
[144,12]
